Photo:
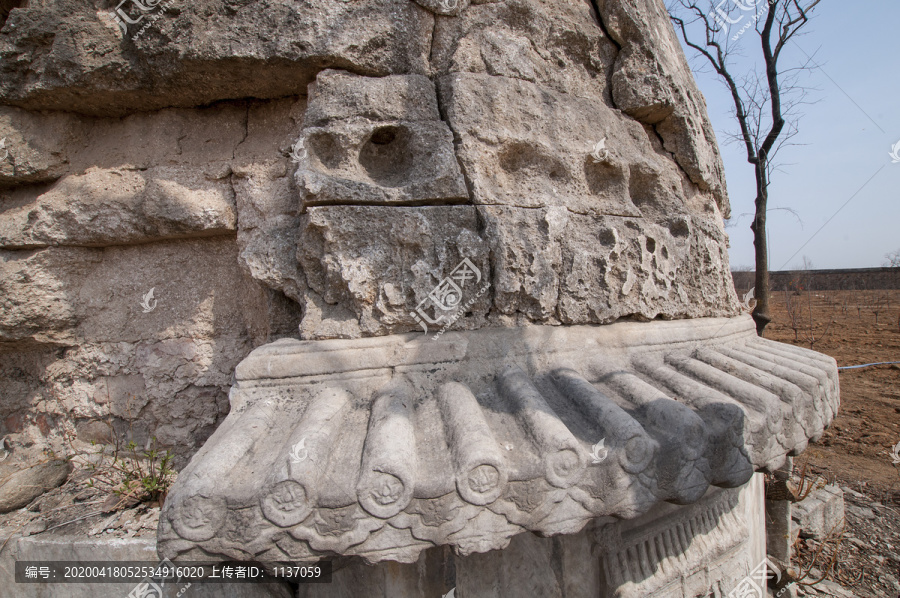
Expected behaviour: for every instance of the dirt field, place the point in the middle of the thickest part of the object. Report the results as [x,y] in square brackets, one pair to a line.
[855,451]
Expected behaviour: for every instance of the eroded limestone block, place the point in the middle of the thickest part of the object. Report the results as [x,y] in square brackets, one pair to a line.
[269,224]
[22,487]
[163,369]
[35,148]
[375,269]
[36,304]
[119,207]
[192,55]
[652,82]
[560,46]
[574,234]
[389,446]
[375,141]
[554,265]
[523,145]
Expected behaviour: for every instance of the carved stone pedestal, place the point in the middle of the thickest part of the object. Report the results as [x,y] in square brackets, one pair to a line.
[387,448]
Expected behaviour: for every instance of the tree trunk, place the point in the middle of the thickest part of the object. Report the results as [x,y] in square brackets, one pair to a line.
[761,312]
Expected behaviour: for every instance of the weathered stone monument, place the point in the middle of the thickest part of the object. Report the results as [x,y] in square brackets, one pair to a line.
[521,367]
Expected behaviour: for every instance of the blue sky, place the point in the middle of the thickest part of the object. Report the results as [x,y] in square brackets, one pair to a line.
[844,141]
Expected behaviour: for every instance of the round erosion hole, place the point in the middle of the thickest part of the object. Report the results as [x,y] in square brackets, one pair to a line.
[387,156]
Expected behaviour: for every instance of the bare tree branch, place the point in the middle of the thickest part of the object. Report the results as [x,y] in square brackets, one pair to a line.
[765,103]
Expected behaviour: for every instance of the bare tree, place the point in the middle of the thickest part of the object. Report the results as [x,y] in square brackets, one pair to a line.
[879,304]
[893,259]
[704,27]
[800,284]
[793,308]
[810,333]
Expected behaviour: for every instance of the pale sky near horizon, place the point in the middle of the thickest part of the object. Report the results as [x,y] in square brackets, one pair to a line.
[845,140]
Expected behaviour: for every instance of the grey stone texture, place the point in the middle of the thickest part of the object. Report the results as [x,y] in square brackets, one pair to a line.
[21,487]
[103,207]
[321,168]
[821,514]
[198,53]
[163,373]
[94,213]
[375,141]
[671,552]
[780,534]
[487,109]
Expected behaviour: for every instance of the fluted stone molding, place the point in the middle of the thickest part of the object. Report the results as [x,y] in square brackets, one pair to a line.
[384,447]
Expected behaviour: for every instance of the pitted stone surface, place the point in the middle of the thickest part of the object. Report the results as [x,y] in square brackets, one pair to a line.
[198,53]
[374,141]
[578,205]
[385,447]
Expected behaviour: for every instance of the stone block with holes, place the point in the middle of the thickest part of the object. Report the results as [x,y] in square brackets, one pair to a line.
[376,141]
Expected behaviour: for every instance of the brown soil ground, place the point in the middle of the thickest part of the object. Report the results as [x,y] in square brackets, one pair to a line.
[855,451]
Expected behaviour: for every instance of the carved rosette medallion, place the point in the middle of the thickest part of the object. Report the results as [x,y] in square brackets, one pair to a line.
[483,485]
[198,518]
[285,504]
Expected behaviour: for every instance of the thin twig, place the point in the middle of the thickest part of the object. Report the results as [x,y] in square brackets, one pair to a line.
[74,504]
[74,520]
